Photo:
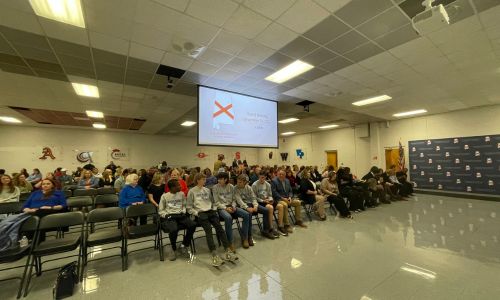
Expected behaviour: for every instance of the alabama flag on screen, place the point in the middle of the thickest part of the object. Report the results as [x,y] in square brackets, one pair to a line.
[223,112]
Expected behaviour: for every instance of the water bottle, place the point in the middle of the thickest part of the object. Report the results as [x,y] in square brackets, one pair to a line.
[23,242]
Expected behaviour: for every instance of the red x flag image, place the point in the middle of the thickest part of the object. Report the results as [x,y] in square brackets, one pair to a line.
[223,112]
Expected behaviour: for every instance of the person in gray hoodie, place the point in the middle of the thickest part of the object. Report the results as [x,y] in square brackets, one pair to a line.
[262,190]
[227,206]
[172,210]
[200,205]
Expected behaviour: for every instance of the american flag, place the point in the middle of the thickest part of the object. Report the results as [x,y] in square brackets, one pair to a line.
[401,161]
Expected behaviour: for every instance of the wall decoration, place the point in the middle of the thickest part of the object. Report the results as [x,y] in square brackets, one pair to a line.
[85,156]
[284,156]
[201,155]
[271,155]
[460,164]
[119,154]
[47,152]
[300,153]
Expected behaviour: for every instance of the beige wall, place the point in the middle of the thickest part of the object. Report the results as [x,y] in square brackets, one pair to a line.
[20,146]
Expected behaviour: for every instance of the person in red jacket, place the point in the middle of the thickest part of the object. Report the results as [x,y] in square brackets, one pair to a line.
[175,174]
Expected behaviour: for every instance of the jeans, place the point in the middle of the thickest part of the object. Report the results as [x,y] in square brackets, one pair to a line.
[264,211]
[228,222]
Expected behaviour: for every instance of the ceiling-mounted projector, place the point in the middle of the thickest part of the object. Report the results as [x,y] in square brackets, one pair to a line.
[431,19]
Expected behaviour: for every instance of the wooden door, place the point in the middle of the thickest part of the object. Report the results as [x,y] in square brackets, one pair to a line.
[331,159]
[391,157]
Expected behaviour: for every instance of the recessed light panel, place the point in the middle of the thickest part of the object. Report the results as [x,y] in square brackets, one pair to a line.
[86,90]
[372,100]
[328,126]
[288,133]
[292,70]
[94,114]
[188,123]
[9,119]
[289,120]
[410,113]
[65,11]
[99,125]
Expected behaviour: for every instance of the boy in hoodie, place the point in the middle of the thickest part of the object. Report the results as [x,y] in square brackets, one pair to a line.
[200,205]
[172,210]
[227,206]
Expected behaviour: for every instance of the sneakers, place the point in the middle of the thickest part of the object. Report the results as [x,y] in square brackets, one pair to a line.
[275,233]
[172,256]
[216,260]
[268,234]
[283,231]
[245,244]
[231,247]
[251,242]
[301,224]
[230,256]
[288,228]
[185,251]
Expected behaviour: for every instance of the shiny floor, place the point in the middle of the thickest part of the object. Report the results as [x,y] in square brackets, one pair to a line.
[431,247]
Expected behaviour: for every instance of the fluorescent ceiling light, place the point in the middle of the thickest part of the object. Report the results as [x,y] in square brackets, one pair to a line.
[65,11]
[99,125]
[188,123]
[289,120]
[86,90]
[288,133]
[94,114]
[410,113]
[10,119]
[372,100]
[294,69]
[328,126]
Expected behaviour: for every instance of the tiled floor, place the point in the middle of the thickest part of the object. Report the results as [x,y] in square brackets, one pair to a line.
[430,247]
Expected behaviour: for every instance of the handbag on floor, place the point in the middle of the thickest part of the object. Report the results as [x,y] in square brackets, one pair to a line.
[65,282]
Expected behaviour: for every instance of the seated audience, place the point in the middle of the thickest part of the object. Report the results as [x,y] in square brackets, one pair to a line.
[132,193]
[345,183]
[107,178]
[50,176]
[88,181]
[391,188]
[201,206]
[330,189]
[173,214]
[176,174]
[293,181]
[230,207]
[24,172]
[8,191]
[406,186]
[112,167]
[211,179]
[65,179]
[315,175]
[244,192]
[372,179]
[282,194]
[23,185]
[264,195]
[35,177]
[310,195]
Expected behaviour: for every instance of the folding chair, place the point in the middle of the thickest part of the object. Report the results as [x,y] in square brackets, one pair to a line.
[28,227]
[24,196]
[140,231]
[56,246]
[85,192]
[103,236]
[68,193]
[105,191]
[11,208]
[106,200]
[308,209]
[79,202]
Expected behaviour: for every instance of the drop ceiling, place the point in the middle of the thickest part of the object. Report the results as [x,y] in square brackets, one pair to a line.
[360,49]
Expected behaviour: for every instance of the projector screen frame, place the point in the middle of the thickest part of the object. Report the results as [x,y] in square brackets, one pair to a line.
[234,146]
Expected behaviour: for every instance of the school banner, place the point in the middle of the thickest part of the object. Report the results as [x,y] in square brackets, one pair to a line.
[460,164]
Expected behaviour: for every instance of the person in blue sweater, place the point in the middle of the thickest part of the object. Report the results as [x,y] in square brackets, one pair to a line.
[132,194]
[45,201]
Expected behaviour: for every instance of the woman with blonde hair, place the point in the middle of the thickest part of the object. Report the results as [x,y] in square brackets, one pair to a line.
[310,196]
[156,189]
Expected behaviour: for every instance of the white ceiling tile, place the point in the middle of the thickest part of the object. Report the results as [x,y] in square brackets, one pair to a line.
[271,9]
[203,68]
[108,43]
[19,20]
[179,5]
[145,52]
[332,5]
[228,42]
[124,9]
[157,16]
[276,36]
[119,28]
[303,15]
[255,52]
[214,57]
[226,75]
[177,61]
[65,32]
[146,35]
[195,31]
[215,12]
[246,23]
[239,65]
